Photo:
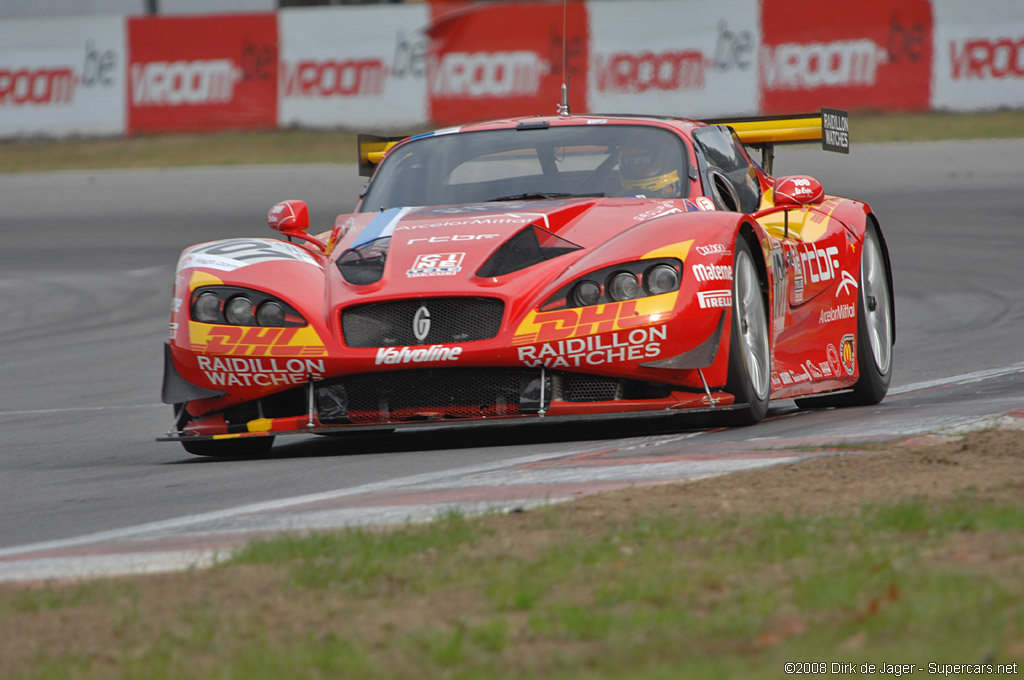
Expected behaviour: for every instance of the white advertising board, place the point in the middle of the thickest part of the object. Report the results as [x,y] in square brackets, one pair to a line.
[62,76]
[353,66]
[694,59]
[978,56]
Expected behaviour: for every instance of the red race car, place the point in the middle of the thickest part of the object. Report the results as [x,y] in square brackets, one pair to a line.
[564,267]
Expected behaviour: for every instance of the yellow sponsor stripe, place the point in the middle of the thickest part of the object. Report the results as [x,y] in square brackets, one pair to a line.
[679,250]
[260,425]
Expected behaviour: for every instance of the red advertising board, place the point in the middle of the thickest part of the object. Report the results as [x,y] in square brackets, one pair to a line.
[504,59]
[845,55]
[202,73]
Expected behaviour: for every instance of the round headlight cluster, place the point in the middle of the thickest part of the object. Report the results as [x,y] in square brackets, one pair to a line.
[624,286]
[586,293]
[270,313]
[239,311]
[206,308]
[661,278]
[239,308]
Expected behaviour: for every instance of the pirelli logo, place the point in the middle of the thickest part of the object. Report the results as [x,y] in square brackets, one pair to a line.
[613,316]
[255,341]
[710,299]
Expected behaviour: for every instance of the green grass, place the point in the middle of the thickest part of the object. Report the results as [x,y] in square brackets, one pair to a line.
[338,146]
[656,596]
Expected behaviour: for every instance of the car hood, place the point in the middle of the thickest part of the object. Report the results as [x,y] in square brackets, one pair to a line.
[447,248]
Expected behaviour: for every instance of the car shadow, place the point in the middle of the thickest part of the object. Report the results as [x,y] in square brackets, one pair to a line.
[478,435]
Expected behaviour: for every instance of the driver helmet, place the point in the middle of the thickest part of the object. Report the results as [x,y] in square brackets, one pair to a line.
[649,171]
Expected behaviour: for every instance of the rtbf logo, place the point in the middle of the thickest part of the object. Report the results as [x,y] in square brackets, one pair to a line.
[182,83]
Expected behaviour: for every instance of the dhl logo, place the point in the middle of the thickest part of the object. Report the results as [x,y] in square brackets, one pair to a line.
[255,341]
[573,323]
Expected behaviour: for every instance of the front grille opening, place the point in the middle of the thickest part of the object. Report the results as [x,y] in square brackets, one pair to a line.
[291,402]
[439,321]
[443,394]
[582,387]
[577,387]
[439,394]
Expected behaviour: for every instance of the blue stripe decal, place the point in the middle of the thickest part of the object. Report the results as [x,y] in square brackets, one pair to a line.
[380,226]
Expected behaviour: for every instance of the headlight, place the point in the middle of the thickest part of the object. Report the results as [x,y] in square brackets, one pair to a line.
[618,283]
[242,307]
[586,293]
[270,314]
[624,286]
[661,278]
[238,311]
[206,308]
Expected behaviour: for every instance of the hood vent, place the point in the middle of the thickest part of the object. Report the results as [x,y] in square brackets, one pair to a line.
[364,264]
[530,246]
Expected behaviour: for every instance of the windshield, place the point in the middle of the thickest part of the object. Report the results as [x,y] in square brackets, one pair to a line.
[523,164]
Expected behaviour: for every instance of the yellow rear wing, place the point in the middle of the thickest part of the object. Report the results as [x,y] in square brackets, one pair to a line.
[831,127]
[371,150]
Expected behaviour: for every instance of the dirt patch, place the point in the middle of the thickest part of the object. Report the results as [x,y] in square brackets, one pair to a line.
[103,627]
[991,463]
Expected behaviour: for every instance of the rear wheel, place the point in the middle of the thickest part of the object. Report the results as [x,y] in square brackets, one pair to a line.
[749,354]
[230,448]
[875,332]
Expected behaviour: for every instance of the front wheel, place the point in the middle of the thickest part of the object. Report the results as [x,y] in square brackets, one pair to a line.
[749,353]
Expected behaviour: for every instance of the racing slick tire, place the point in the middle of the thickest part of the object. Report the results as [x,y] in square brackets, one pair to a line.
[229,448]
[749,378]
[875,332]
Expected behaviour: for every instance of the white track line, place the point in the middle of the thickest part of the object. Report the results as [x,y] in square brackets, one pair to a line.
[425,480]
[961,379]
[178,523]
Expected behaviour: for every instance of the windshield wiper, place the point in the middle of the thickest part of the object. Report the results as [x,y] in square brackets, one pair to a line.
[538,195]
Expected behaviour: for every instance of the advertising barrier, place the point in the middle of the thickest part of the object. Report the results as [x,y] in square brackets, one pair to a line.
[673,58]
[353,66]
[490,60]
[412,65]
[62,77]
[979,56]
[852,56]
[202,73]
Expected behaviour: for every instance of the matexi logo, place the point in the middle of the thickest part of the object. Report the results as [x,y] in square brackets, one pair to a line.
[838,64]
[486,74]
[184,83]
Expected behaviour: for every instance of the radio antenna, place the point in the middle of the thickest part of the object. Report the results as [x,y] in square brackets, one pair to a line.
[563,108]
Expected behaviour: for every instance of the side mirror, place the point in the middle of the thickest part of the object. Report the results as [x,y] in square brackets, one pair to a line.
[797,190]
[289,217]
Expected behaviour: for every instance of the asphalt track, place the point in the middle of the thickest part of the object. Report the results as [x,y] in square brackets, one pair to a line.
[86,266]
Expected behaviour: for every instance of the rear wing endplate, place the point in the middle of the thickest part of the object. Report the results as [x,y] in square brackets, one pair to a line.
[831,127]
[371,150]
